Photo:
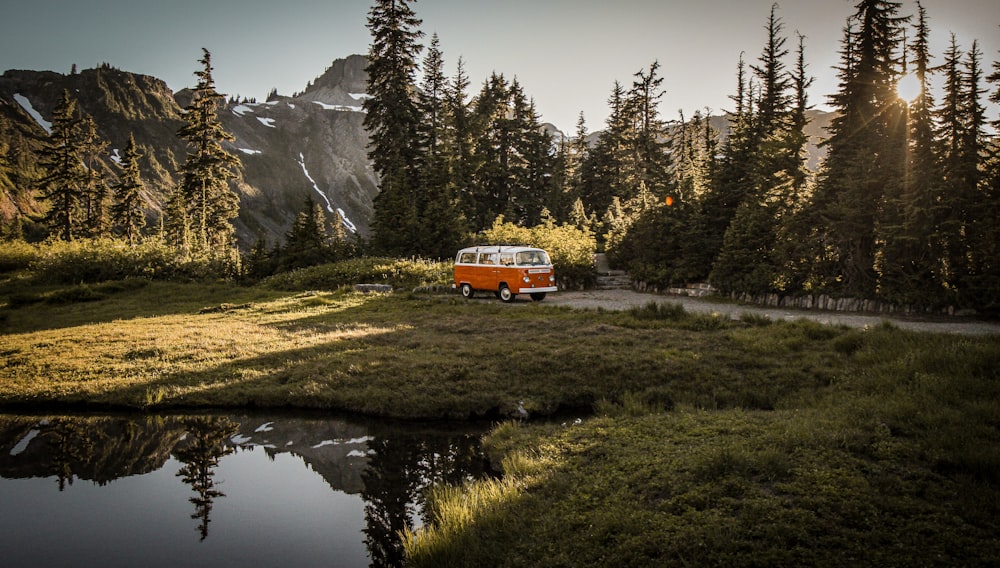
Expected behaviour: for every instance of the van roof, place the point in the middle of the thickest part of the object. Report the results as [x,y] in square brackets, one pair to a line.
[499,248]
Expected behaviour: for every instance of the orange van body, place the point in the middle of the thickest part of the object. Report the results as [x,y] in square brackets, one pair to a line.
[506,271]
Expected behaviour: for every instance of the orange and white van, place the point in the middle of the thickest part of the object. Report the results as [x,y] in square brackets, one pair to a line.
[505,270]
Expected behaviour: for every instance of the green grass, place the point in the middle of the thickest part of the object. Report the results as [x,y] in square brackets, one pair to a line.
[704,441]
[166,344]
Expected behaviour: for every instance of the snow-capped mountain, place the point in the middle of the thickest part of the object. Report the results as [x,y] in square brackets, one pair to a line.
[310,144]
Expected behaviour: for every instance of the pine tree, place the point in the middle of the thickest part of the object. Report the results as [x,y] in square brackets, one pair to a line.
[460,145]
[63,183]
[986,283]
[771,161]
[96,193]
[441,226]
[392,118]
[206,200]
[865,148]
[649,165]
[127,209]
[910,269]
[306,243]
[975,151]
[601,175]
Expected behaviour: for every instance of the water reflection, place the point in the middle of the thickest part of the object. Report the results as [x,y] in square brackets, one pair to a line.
[200,452]
[249,476]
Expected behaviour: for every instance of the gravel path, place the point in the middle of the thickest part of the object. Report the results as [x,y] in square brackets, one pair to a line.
[625,299]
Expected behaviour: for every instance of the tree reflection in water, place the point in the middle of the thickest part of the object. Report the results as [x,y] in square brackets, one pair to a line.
[402,466]
[389,466]
[200,453]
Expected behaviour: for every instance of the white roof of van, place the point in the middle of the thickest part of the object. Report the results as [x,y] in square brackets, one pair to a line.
[499,248]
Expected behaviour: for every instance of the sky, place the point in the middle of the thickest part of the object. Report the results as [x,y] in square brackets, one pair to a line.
[566,54]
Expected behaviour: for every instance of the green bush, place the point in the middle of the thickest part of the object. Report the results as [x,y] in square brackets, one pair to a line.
[399,273]
[101,260]
[572,249]
[16,255]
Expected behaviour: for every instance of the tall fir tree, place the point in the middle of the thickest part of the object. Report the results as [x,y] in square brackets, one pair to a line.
[865,149]
[986,283]
[392,119]
[441,224]
[65,177]
[204,197]
[126,212]
[460,144]
[96,192]
[909,264]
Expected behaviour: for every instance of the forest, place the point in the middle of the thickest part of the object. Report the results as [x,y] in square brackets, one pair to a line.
[904,208]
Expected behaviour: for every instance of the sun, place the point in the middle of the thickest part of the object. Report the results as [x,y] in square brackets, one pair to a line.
[908,87]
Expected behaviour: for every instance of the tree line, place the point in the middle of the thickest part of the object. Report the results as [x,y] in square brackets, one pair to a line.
[904,207]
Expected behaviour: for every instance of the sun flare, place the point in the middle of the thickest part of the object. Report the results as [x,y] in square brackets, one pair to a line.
[908,87]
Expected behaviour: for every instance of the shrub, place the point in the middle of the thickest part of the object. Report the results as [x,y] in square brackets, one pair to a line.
[101,260]
[572,249]
[399,273]
[16,255]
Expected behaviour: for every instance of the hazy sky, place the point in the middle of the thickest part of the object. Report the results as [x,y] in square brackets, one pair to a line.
[567,54]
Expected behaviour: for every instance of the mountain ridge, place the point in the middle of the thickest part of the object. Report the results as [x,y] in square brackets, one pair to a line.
[313,144]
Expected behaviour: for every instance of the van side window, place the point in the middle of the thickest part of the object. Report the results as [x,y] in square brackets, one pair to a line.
[488,258]
[507,259]
[467,258]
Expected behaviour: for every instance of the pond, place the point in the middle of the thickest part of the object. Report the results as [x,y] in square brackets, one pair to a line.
[219,489]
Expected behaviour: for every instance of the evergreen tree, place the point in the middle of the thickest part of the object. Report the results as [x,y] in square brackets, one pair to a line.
[63,183]
[649,166]
[206,201]
[537,181]
[127,209]
[460,145]
[96,193]
[392,118]
[909,264]
[441,227]
[306,243]
[962,121]
[865,150]
[513,156]
[772,173]
[985,283]
[975,151]
[601,171]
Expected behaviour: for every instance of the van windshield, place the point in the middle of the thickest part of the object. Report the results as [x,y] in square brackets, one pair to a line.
[533,258]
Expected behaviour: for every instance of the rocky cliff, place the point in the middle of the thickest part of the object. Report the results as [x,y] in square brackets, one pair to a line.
[313,143]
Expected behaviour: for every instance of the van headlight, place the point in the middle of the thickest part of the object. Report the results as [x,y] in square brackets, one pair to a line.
[527,280]
[552,278]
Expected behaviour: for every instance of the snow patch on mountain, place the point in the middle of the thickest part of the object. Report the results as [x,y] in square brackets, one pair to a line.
[347,108]
[268,122]
[26,105]
[329,206]
[249,151]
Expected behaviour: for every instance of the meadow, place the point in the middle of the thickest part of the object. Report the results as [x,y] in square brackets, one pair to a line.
[655,437]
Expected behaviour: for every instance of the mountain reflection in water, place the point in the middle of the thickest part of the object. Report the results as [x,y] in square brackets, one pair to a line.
[219,490]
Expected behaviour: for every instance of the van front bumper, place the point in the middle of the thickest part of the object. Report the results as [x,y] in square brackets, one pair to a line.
[537,290]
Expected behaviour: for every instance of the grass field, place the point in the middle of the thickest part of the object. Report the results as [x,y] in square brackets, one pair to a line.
[703,441]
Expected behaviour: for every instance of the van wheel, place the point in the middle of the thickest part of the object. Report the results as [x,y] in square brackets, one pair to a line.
[467,291]
[538,296]
[506,295]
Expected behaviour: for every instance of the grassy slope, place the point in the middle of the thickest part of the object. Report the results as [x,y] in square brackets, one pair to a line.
[714,443]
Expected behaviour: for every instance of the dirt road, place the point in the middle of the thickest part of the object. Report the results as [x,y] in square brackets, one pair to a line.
[625,299]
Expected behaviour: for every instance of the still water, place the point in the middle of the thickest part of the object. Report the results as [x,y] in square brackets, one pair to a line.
[217,489]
